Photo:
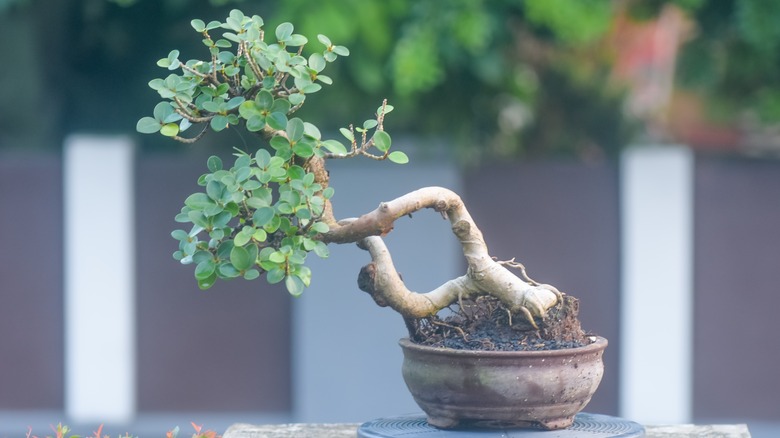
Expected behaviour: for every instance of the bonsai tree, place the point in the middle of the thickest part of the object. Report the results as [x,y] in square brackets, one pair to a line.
[263,214]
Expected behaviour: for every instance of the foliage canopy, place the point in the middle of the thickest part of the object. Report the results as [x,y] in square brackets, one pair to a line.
[265,213]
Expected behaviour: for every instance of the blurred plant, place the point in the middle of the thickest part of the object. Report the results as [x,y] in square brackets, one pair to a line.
[521,78]
[496,78]
[733,59]
[63,431]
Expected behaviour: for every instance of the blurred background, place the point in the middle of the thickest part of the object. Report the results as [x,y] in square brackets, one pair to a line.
[626,151]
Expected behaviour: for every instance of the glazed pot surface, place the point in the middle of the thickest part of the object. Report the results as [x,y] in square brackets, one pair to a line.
[502,388]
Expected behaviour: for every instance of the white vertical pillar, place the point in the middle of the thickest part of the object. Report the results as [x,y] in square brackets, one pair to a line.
[99,279]
[657,294]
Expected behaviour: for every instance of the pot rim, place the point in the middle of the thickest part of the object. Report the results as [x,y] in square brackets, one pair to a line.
[599,343]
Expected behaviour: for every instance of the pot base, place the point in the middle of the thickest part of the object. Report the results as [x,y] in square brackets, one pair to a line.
[585,425]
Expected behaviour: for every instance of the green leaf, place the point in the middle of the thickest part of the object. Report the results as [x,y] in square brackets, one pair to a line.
[316,62]
[263,216]
[324,40]
[251,185]
[255,123]
[281,106]
[205,269]
[283,31]
[296,172]
[211,106]
[206,283]
[239,257]
[249,109]
[234,102]
[251,274]
[214,163]
[321,249]
[303,213]
[334,147]
[215,190]
[382,140]
[180,235]
[227,270]
[277,257]
[233,23]
[264,99]
[263,158]
[169,129]
[260,235]
[243,173]
[222,219]
[237,15]
[278,142]
[296,98]
[275,275]
[398,157]
[320,227]
[294,285]
[295,129]
[296,40]
[369,124]
[387,109]
[347,134]
[328,192]
[284,208]
[198,201]
[219,122]
[341,50]
[277,121]
[148,125]
[303,149]
[183,217]
[198,25]
[162,111]
[242,239]
[311,88]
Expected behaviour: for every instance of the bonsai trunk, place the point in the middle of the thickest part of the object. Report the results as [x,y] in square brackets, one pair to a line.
[484,275]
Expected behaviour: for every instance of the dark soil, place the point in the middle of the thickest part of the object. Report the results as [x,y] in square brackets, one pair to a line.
[485,324]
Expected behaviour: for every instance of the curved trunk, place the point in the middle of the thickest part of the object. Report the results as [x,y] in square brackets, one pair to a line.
[483,276]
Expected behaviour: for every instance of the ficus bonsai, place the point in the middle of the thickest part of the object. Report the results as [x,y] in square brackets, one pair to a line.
[263,214]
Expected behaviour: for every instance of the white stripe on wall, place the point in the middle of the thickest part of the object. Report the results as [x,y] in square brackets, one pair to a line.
[99,279]
[656,308]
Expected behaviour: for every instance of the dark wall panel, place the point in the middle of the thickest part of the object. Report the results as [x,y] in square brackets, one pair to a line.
[31,302]
[737,260]
[222,349]
[562,222]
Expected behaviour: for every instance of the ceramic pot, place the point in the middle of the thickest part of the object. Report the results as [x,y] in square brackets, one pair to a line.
[502,388]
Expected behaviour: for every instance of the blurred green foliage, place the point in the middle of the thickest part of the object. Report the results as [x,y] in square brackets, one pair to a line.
[733,59]
[492,78]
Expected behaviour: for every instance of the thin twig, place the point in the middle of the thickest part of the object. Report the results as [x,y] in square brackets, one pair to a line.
[519,266]
[460,330]
[193,139]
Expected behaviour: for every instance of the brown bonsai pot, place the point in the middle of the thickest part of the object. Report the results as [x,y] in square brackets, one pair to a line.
[502,388]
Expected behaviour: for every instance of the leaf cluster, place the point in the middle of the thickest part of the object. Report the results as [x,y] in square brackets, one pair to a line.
[240,81]
[247,227]
[266,212]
